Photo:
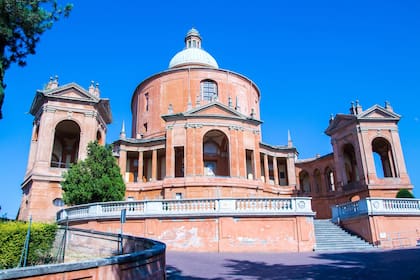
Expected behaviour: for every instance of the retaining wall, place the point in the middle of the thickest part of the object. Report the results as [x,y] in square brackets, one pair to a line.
[94,255]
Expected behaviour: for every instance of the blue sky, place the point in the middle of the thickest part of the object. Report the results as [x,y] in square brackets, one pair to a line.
[310,59]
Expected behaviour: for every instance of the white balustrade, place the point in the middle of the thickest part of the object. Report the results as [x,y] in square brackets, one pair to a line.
[376,206]
[240,206]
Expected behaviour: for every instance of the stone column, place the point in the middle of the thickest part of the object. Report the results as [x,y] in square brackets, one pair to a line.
[140,167]
[189,152]
[122,162]
[290,170]
[154,165]
[198,151]
[241,155]
[34,147]
[233,149]
[266,174]
[170,153]
[45,139]
[257,157]
[339,166]
[398,156]
[276,171]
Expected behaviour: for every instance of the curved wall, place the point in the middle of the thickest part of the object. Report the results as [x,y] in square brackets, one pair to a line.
[179,89]
[143,259]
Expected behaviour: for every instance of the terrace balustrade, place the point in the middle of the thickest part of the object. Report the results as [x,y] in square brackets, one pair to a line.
[300,206]
[376,206]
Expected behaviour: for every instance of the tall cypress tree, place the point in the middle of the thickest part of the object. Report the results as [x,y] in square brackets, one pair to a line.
[95,179]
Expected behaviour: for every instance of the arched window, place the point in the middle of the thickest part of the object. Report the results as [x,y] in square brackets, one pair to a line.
[36,133]
[208,90]
[211,149]
[382,155]
[58,202]
[350,164]
[304,182]
[146,101]
[329,179]
[318,183]
[66,144]
[99,137]
[216,154]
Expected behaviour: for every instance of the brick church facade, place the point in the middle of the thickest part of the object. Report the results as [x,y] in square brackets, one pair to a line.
[196,133]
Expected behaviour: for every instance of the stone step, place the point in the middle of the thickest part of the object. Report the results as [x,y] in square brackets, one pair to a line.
[330,237]
[337,246]
[339,238]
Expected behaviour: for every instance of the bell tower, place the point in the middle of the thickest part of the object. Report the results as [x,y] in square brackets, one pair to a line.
[367,152]
[66,119]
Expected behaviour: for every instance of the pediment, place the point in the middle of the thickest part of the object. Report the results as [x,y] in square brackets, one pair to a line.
[375,113]
[212,110]
[215,109]
[378,113]
[71,92]
[340,121]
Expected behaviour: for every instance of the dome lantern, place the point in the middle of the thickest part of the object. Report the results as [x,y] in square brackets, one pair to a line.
[193,55]
[193,39]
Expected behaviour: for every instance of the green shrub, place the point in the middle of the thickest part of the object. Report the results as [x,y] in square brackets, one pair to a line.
[12,240]
[404,193]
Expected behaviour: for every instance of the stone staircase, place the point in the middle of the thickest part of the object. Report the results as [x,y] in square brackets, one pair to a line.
[330,237]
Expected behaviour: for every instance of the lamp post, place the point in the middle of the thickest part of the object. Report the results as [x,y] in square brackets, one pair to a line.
[122,221]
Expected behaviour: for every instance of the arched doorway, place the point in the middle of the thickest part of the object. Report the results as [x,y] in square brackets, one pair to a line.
[304,182]
[66,144]
[350,164]
[383,158]
[318,183]
[216,154]
[329,179]
[99,138]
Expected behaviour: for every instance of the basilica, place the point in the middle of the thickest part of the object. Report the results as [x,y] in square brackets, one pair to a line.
[196,134]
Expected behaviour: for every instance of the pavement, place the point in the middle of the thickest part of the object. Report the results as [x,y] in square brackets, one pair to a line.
[381,264]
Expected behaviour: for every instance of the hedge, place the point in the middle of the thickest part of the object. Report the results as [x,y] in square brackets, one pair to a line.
[12,240]
[404,193]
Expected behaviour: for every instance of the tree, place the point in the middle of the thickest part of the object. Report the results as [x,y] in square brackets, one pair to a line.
[22,22]
[404,193]
[95,179]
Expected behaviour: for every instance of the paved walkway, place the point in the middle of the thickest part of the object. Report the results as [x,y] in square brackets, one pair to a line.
[376,264]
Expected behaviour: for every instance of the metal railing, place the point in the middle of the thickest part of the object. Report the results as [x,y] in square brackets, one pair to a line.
[192,207]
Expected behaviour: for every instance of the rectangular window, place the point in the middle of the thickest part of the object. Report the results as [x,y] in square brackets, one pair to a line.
[132,167]
[179,161]
[146,103]
[282,170]
[161,164]
[250,164]
[147,166]
[262,167]
[271,169]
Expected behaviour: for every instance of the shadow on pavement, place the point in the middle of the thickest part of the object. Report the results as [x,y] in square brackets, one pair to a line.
[172,273]
[380,264]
